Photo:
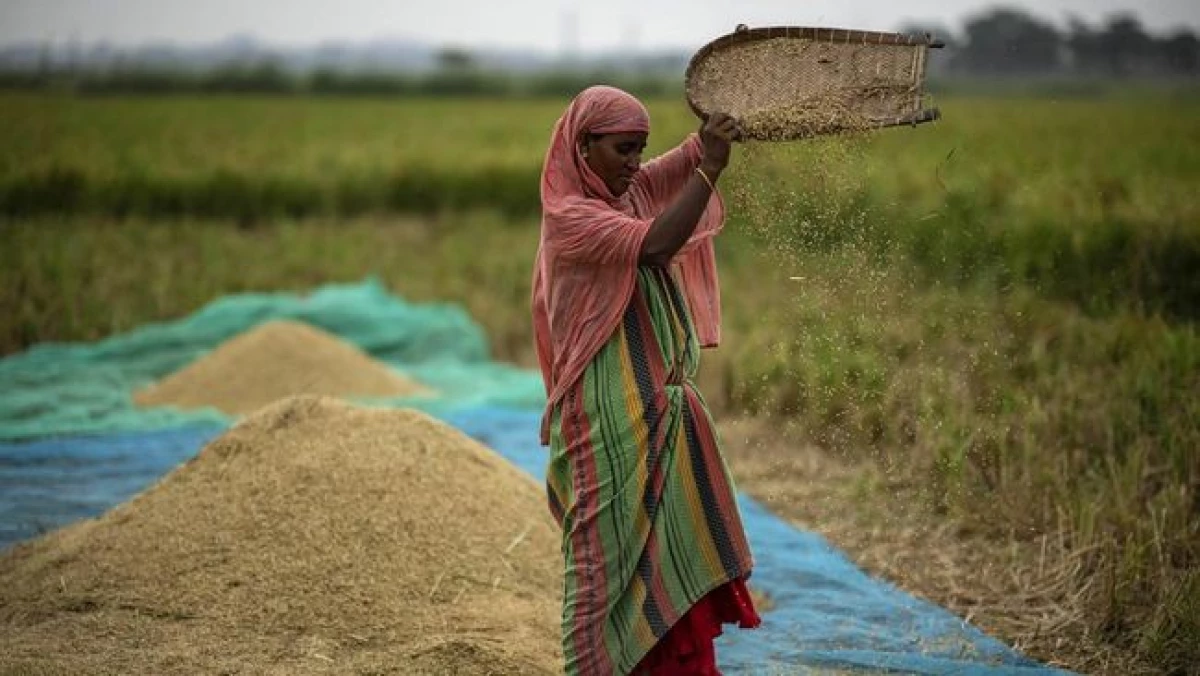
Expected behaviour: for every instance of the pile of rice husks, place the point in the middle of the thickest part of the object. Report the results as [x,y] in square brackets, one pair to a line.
[312,537]
[272,361]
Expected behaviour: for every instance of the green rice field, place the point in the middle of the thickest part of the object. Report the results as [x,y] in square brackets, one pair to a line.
[997,310]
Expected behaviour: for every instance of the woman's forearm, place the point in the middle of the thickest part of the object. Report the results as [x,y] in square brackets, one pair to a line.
[672,229]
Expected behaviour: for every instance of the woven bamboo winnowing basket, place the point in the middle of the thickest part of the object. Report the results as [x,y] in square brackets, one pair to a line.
[792,82]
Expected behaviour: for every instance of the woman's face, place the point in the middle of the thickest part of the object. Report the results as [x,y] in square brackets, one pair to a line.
[614,157]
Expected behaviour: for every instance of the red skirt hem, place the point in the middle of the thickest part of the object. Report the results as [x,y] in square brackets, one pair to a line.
[687,648]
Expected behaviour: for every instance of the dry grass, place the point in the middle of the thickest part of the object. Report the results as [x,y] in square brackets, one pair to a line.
[1028,594]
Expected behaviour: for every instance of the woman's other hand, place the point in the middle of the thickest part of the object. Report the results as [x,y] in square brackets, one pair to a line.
[717,135]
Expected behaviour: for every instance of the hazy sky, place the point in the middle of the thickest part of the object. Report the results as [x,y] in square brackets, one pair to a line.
[542,24]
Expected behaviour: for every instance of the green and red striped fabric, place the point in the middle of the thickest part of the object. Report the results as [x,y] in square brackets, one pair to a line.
[638,484]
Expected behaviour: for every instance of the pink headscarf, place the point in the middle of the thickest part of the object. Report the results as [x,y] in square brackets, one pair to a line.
[591,241]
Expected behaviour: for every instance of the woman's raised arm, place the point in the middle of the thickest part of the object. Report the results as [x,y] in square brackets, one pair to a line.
[672,229]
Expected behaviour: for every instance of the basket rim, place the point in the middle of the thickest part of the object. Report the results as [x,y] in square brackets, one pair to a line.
[814,33]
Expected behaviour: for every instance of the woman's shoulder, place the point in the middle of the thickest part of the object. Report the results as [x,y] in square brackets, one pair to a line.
[589,208]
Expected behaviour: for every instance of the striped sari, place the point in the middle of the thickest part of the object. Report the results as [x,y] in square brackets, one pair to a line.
[638,484]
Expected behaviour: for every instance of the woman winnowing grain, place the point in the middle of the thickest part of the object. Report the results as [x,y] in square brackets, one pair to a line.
[624,295]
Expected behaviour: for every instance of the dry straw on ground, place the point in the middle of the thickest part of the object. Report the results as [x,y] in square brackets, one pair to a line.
[1021,592]
[275,360]
[313,537]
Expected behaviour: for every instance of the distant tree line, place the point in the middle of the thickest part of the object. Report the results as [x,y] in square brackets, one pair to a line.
[268,77]
[1001,42]
[457,73]
[1010,42]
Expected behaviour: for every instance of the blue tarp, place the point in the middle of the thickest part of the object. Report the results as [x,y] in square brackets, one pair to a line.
[73,445]
[49,483]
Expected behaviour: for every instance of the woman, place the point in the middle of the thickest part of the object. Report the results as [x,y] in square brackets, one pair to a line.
[624,295]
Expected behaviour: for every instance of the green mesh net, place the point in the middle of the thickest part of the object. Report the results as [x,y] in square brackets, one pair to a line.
[69,389]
